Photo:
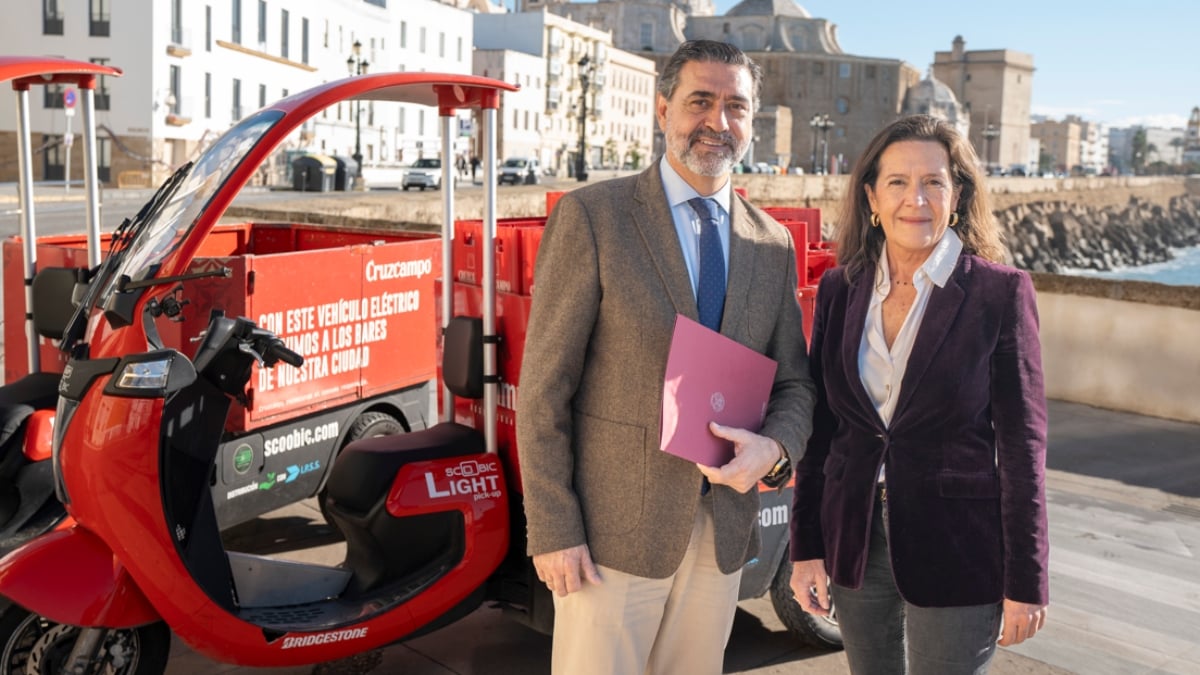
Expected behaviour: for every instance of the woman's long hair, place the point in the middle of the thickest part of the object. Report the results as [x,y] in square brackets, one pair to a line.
[859,245]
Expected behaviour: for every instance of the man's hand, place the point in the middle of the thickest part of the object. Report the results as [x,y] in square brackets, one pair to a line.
[565,571]
[1021,622]
[753,457]
[810,585]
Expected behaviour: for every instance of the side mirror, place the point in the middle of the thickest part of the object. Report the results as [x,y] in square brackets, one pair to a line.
[56,293]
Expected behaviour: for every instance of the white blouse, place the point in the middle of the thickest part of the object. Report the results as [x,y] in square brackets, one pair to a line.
[881,369]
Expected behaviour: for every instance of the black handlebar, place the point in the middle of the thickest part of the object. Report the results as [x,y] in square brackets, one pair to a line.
[276,351]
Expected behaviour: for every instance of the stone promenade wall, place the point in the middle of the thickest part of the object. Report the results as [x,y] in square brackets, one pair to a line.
[1121,345]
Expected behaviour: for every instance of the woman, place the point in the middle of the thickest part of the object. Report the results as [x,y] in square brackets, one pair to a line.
[920,505]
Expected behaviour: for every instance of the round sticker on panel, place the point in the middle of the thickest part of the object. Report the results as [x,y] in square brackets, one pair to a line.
[243,457]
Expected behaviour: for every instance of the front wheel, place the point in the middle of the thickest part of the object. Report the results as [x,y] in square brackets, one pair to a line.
[33,645]
[818,631]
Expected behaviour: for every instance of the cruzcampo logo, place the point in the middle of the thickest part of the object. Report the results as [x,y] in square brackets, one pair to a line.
[243,457]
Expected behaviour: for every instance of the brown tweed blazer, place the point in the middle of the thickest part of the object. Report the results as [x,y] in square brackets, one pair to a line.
[611,277]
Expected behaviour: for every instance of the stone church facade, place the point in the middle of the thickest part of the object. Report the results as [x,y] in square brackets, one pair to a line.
[806,75]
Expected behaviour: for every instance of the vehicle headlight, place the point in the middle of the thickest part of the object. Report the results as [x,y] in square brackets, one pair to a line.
[144,375]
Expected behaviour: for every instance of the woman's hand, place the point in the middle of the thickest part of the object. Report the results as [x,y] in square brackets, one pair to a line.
[1021,622]
[810,584]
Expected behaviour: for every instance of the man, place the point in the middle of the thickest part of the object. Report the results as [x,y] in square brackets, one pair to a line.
[643,550]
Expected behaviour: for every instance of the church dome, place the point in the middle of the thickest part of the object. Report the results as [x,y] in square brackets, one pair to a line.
[930,93]
[768,8]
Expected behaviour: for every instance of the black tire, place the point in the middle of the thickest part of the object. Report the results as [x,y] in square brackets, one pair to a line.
[33,644]
[818,631]
[368,425]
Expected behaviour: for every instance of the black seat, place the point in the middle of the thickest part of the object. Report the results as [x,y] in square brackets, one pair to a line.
[365,469]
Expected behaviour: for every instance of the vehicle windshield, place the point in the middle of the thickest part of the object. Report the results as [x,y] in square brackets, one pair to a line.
[515,163]
[141,245]
[428,164]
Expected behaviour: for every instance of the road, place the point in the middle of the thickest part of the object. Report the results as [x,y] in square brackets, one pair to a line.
[1124,506]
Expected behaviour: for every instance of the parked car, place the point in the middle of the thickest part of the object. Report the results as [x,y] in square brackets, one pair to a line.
[425,173]
[520,170]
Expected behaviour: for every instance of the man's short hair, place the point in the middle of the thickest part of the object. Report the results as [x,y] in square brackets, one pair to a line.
[707,51]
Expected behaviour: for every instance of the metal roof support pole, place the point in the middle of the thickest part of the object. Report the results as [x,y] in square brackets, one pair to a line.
[447,247]
[491,387]
[28,222]
[91,176]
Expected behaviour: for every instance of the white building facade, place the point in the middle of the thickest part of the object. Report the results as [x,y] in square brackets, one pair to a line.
[195,67]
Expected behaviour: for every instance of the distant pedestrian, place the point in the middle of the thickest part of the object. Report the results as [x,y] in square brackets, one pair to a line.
[474,167]
[462,166]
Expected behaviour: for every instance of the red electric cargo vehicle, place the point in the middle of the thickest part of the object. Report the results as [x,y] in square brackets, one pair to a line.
[160,358]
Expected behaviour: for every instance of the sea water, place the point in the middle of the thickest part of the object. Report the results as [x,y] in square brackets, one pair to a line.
[1184,270]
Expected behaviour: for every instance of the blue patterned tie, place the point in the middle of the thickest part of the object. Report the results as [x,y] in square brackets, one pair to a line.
[710,291]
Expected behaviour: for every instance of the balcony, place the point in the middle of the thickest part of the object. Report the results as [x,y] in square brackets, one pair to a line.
[180,44]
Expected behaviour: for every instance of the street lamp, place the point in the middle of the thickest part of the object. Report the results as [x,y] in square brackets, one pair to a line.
[821,123]
[357,66]
[585,71]
[990,132]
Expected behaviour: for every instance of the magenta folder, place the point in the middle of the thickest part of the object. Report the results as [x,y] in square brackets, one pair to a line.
[711,378]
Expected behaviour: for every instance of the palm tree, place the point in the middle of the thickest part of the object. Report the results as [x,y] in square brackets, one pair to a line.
[1178,144]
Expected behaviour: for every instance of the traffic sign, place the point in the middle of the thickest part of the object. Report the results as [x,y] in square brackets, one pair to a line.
[69,98]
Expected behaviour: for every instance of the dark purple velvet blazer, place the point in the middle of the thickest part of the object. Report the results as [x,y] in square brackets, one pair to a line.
[964,455]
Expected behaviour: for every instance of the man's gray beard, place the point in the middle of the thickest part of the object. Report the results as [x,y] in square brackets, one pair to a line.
[710,164]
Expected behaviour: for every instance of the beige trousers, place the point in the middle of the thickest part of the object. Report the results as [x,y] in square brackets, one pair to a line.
[631,625]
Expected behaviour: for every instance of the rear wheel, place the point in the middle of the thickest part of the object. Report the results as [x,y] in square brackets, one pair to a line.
[33,645]
[368,425]
[818,631]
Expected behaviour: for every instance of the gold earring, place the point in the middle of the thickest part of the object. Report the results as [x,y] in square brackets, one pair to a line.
[953,219]
[875,222]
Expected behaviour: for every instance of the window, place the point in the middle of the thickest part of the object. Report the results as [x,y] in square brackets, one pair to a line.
[843,105]
[208,28]
[283,34]
[207,95]
[818,69]
[98,26]
[647,36]
[400,126]
[869,72]
[173,100]
[102,98]
[262,95]
[304,41]
[442,45]
[52,157]
[403,34]
[235,30]
[262,22]
[460,55]
[844,71]
[177,22]
[421,122]
[104,159]
[52,17]
[421,46]
[52,96]
[237,100]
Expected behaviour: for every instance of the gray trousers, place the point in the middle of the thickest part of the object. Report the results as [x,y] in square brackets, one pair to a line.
[884,635]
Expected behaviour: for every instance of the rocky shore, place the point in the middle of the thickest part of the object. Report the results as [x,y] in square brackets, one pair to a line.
[1052,235]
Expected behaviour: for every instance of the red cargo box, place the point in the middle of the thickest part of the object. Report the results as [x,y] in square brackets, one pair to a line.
[530,239]
[552,198]
[468,263]
[821,257]
[359,306]
[809,216]
[512,316]
[807,295]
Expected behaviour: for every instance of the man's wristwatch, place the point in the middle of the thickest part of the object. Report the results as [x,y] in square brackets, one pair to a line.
[780,473]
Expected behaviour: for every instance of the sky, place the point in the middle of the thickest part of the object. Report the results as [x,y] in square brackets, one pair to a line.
[1120,63]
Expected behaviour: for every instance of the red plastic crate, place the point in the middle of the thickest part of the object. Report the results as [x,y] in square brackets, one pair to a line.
[468,263]
[821,257]
[529,238]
